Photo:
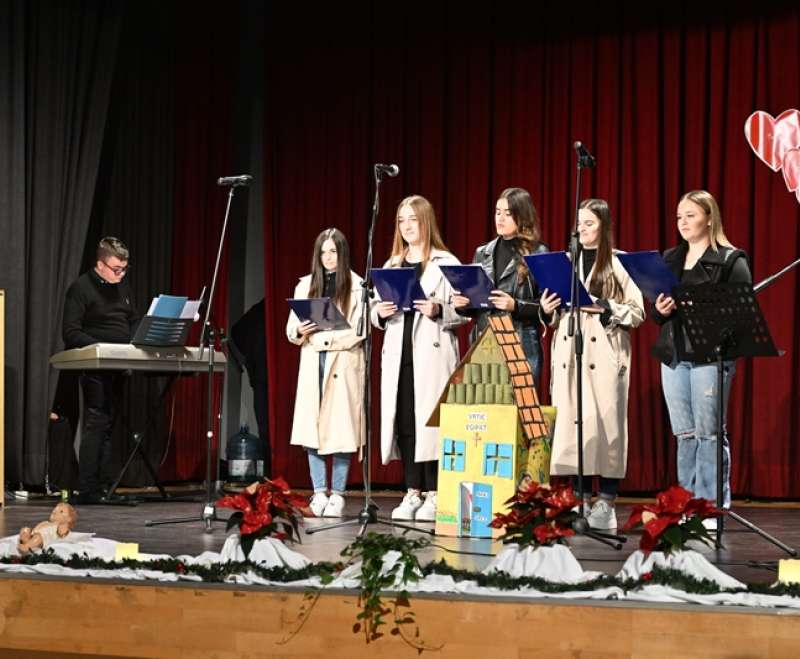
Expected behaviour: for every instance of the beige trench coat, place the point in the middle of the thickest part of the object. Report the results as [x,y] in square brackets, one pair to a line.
[606,378]
[336,424]
[436,356]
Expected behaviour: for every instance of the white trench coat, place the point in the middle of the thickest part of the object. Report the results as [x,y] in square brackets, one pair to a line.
[336,424]
[606,378]
[436,354]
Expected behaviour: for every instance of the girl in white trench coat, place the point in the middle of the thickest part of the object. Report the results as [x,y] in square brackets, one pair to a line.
[606,366]
[420,352]
[328,410]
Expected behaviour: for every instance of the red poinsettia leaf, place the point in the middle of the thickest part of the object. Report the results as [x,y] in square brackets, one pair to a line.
[648,543]
[280,484]
[635,518]
[673,499]
[656,526]
[236,501]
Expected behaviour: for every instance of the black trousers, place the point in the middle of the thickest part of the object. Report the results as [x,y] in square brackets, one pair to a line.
[421,476]
[100,391]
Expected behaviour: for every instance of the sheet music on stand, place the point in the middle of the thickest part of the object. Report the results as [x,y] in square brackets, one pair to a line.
[726,315]
[167,322]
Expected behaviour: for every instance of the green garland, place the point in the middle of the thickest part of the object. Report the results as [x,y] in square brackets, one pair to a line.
[371,549]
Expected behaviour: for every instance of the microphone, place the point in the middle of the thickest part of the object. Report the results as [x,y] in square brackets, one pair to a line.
[389,170]
[585,159]
[235,181]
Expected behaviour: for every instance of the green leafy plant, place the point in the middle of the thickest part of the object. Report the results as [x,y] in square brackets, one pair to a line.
[375,578]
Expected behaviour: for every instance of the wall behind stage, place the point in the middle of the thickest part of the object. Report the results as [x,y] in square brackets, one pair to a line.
[470,103]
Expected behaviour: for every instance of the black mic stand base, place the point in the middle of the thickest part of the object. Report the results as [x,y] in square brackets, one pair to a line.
[581,527]
[751,527]
[367,516]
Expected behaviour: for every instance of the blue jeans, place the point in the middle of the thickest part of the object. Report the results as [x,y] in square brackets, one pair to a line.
[691,394]
[317,465]
[532,347]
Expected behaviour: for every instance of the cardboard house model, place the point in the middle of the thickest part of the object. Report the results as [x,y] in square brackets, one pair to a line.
[493,434]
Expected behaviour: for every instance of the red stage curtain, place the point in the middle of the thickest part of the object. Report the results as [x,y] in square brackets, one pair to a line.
[660,100]
[202,154]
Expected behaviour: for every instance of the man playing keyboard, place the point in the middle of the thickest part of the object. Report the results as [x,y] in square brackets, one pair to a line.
[98,309]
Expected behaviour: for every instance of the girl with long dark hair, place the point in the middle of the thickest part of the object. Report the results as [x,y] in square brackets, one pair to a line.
[328,411]
[606,362]
[516,293]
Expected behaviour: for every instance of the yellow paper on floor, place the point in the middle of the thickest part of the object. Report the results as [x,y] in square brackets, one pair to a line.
[789,571]
[126,550]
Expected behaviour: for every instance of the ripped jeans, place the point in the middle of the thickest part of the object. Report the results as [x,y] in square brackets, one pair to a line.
[691,394]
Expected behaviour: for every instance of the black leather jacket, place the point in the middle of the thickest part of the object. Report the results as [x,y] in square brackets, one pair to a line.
[526,294]
[727,264]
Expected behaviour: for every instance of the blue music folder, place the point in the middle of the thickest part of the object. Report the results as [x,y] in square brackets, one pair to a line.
[553,271]
[319,310]
[472,282]
[398,285]
[649,272]
[167,306]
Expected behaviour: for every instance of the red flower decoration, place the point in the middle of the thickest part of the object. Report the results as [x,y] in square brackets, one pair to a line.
[672,521]
[265,509]
[539,516]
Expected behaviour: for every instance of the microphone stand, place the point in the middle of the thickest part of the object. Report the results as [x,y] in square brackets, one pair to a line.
[208,340]
[369,513]
[581,525]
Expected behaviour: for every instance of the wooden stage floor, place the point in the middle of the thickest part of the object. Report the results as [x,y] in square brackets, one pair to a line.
[746,556]
[45,617]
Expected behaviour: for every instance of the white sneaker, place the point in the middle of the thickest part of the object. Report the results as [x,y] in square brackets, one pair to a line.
[710,524]
[335,506]
[427,511]
[408,507]
[587,508]
[603,516]
[318,503]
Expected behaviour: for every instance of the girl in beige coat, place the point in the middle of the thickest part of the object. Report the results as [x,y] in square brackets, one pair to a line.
[420,352]
[328,410]
[606,365]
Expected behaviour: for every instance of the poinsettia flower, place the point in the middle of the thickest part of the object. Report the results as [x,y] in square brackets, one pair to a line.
[237,502]
[673,499]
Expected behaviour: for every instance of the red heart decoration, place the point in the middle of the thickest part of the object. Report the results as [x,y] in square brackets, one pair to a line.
[791,169]
[771,138]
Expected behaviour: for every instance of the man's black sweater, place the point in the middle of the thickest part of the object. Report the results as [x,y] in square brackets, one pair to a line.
[97,312]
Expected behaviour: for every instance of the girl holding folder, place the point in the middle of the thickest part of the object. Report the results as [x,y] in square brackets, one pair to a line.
[420,352]
[515,293]
[606,362]
[328,411]
[690,384]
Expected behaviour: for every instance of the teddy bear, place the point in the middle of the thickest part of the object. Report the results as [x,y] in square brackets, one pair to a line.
[61,521]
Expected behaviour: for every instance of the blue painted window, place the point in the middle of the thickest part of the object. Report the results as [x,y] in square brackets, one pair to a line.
[453,452]
[497,460]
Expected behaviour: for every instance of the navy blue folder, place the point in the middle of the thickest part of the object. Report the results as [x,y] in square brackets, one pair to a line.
[472,282]
[319,310]
[649,272]
[553,271]
[398,285]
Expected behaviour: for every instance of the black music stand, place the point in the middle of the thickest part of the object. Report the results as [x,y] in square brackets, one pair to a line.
[723,322]
[154,332]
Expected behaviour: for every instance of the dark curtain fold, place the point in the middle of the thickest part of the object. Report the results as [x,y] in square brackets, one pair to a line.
[59,59]
[134,201]
[206,54]
[471,102]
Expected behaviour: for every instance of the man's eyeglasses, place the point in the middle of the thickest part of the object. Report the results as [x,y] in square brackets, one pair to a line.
[119,270]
